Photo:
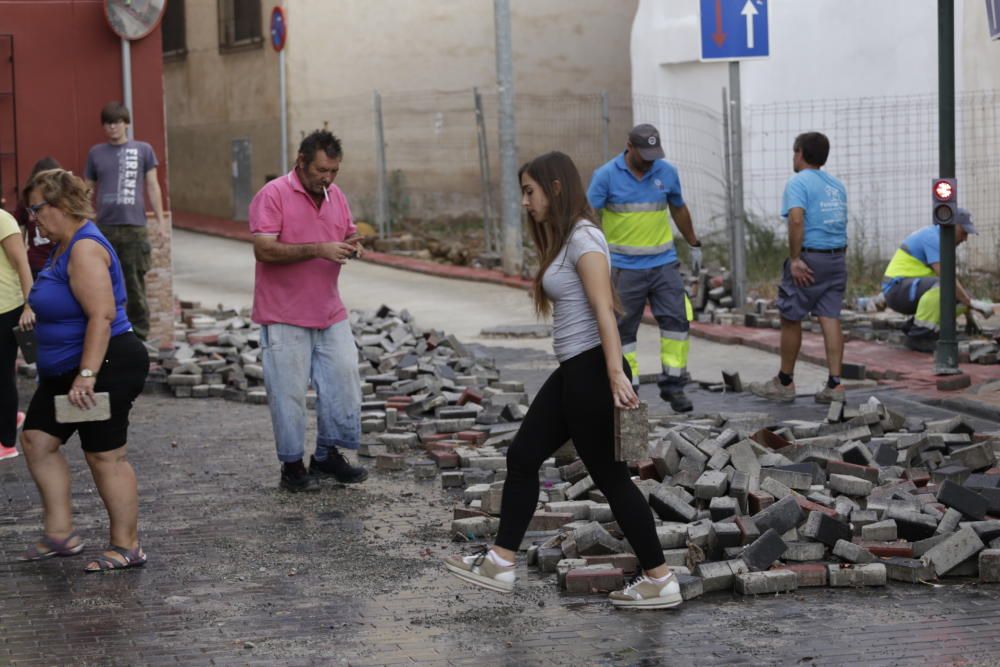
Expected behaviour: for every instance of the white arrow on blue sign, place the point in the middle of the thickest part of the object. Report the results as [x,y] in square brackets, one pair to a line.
[993,16]
[735,29]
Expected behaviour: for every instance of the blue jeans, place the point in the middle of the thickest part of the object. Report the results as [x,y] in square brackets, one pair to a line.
[292,357]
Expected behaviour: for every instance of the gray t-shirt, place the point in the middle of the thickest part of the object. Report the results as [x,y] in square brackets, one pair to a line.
[120,173]
[574,326]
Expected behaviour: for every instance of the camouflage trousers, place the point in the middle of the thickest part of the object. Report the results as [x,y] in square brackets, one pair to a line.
[131,244]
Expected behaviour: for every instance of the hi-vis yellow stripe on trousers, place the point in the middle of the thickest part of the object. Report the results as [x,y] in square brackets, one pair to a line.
[675,345]
[638,229]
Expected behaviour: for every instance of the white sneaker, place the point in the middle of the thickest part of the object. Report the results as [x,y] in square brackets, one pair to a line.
[8,452]
[645,593]
[481,570]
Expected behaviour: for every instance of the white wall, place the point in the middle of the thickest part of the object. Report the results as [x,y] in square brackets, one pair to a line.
[865,73]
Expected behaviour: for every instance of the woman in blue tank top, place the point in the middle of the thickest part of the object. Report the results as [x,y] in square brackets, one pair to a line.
[85,346]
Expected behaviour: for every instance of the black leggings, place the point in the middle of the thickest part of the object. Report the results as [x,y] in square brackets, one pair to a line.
[575,403]
[8,381]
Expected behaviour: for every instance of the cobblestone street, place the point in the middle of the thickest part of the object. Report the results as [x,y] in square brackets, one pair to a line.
[241,573]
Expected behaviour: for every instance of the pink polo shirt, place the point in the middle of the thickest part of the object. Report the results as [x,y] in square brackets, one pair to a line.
[304,294]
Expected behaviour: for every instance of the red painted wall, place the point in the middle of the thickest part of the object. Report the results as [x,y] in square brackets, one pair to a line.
[67,65]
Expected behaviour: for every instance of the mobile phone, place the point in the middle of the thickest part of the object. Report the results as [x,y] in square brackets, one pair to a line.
[28,343]
[67,413]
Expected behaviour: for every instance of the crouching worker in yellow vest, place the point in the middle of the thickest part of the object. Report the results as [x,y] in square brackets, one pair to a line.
[634,193]
[911,283]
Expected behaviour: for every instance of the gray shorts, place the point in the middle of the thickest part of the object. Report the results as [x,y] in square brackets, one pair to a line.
[824,297]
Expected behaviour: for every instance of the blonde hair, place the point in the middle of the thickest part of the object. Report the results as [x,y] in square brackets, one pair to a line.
[64,190]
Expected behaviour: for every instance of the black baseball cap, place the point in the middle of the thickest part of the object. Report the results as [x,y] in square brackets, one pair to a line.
[646,139]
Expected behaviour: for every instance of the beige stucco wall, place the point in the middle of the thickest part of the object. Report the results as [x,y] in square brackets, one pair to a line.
[425,58]
[213,98]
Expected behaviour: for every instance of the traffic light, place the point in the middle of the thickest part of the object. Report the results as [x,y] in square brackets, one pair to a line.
[944,199]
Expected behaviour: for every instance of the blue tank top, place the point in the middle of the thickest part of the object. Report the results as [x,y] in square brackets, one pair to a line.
[61,323]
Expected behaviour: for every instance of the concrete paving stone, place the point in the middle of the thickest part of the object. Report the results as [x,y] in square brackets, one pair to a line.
[782,516]
[672,535]
[954,549]
[803,552]
[911,525]
[719,575]
[852,553]
[825,529]
[989,566]
[766,549]
[564,566]
[807,575]
[669,507]
[593,540]
[871,574]
[711,484]
[722,507]
[881,531]
[963,499]
[850,486]
[761,583]
[909,570]
[773,486]
[797,481]
[475,527]
[690,585]
[589,580]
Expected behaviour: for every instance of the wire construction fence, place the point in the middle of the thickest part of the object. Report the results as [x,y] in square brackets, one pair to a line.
[441,157]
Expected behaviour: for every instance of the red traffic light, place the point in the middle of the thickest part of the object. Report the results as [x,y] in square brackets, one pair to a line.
[944,190]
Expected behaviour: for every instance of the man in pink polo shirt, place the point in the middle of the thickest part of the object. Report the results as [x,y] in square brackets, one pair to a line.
[303,235]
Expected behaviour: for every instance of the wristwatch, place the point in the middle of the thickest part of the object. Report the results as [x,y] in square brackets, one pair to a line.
[86,373]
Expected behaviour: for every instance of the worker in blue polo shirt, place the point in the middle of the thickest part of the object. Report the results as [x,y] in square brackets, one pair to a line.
[634,193]
[912,284]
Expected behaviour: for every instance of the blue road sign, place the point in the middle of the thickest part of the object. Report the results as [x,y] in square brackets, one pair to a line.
[279,28]
[735,29]
[993,15]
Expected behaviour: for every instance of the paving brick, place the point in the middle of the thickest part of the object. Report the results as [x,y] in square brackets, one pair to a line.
[672,536]
[774,487]
[852,553]
[594,579]
[963,499]
[719,575]
[475,527]
[763,551]
[761,583]
[910,570]
[723,507]
[953,550]
[543,520]
[691,586]
[801,552]
[882,531]
[627,563]
[711,484]
[593,540]
[871,574]
[850,486]
[989,566]
[798,481]
[843,468]
[782,516]
[671,508]
[911,525]
[807,575]
[748,529]
[825,529]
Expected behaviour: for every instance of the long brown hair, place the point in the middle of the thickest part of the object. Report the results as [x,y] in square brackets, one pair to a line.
[567,204]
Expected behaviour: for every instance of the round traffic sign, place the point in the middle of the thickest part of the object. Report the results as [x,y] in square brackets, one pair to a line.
[279,28]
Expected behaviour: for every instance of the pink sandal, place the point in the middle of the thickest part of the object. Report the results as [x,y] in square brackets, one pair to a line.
[54,546]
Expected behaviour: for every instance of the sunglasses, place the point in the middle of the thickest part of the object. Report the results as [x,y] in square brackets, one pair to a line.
[35,208]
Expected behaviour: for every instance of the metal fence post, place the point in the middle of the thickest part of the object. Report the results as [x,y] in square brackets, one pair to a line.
[381,180]
[490,242]
[510,193]
[727,147]
[605,126]
[739,267]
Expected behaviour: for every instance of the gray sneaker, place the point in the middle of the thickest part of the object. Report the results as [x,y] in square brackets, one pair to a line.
[479,569]
[827,395]
[644,593]
[773,390]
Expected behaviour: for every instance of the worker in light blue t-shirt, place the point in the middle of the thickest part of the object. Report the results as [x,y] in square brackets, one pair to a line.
[815,274]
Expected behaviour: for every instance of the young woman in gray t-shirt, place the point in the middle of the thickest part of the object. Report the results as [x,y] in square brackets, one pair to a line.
[578,400]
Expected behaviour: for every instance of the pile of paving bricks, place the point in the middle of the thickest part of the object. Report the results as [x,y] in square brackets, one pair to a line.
[712,300]
[749,505]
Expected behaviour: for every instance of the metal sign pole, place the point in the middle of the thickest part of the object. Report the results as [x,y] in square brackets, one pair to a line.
[510,191]
[127,84]
[283,102]
[946,355]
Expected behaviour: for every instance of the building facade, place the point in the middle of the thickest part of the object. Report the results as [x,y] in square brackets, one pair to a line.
[60,64]
[425,59]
